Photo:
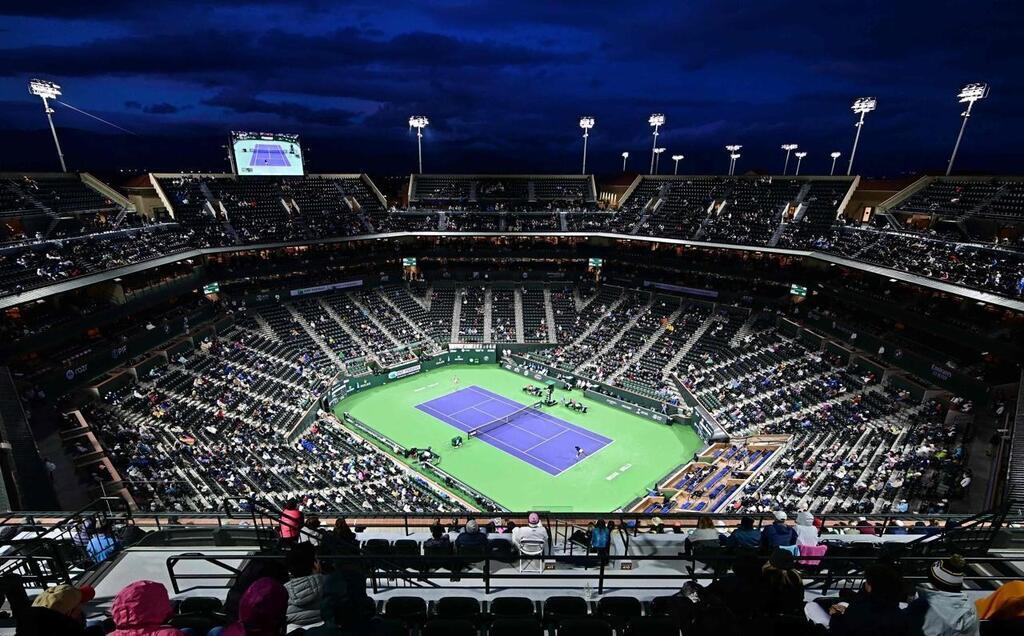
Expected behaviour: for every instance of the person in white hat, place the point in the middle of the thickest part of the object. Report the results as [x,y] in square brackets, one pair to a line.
[778,534]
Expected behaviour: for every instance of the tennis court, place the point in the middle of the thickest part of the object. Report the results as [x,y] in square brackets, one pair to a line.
[269,155]
[531,435]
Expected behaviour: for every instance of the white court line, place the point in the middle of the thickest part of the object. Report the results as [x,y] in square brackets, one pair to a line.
[562,432]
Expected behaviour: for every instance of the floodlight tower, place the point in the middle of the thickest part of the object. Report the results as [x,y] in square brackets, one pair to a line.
[586,123]
[625,155]
[968,95]
[862,107]
[419,122]
[835,155]
[677,159]
[46,91]
[788,148]
[657,162]
[733,156]
[657,120]
[799,158]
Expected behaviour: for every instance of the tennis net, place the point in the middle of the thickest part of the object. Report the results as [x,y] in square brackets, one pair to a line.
[504,419]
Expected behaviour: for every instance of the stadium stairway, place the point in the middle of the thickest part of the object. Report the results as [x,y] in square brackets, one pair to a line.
[517,304]
[488,317]
[593,326]
[352,333]
[331,355]
[646,346]
[549,315]
[456,316]
[404,316]
[692,340]
[350,297]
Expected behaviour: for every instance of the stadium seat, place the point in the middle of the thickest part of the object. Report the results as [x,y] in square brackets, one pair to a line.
[511,606]
[411,610]
[458,607]
[584,627]
[559,607]
[618,610]
[501,551]
[521,626]
[531,555]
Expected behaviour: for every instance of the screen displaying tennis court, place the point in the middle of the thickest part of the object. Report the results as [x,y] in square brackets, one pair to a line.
[531,435]
[273,154]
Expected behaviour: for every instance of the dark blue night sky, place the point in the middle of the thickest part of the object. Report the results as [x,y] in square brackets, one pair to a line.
[504,83]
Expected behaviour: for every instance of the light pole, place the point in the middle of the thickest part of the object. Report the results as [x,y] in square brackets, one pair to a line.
[419,122]
[46,91]
[799,158]
[733,149]
[835,155]
[968,95]
[788,148]
[625,155]
[586,123]
[657,162]
[677,159]
[862,107]
[657,120]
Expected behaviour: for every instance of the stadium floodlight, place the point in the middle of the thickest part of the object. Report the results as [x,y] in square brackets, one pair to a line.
[677,159]
[799,158]
[419,122]
[968,95]
[625,155]
[733,149]
[862,106]
[835,155]
[586,123]
[657,162]
[788,148]
[657,120]
[46,91]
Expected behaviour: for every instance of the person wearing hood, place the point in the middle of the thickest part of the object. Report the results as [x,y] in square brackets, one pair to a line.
[262,611]
[1006,603]
[142,609]
[58,609]
[345,608]
[806,532]
[305,586]
[778,534]
[945,610]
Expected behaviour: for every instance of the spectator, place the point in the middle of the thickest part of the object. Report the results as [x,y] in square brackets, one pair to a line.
[347,541]
[58,609]
[471,540]
[1006,603]
[945,610]
[778,534]
[262,612]
[806,531]
[305,587]
[533,531]
[783,589]
[142,609]
[252,572]
[600,539]
[746,536]
[705,535]
[875,609]
[291,522]
[438,539]
[345,610]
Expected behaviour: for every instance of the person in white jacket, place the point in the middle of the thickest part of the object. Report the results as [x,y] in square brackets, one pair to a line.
[806,532]
[945,610]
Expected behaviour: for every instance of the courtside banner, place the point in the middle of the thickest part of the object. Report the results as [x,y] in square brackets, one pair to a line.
[305,291]
[407,371]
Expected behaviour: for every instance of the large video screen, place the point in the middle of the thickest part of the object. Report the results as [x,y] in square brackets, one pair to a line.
[266,154]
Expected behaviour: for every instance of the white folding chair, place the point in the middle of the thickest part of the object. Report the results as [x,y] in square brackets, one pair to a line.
[531,556]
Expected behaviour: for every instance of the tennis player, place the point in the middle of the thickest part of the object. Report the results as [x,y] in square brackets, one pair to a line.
[455,379]
[580,453]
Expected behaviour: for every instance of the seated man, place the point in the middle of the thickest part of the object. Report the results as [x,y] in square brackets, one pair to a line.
[305,585]
[533,531]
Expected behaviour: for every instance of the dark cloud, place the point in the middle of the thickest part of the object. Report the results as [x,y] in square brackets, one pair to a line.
[505,82]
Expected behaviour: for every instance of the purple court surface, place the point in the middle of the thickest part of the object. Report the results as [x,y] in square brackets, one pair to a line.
[269,155]
[541,440]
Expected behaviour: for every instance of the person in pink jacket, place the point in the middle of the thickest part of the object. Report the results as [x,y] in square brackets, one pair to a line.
[141,609]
